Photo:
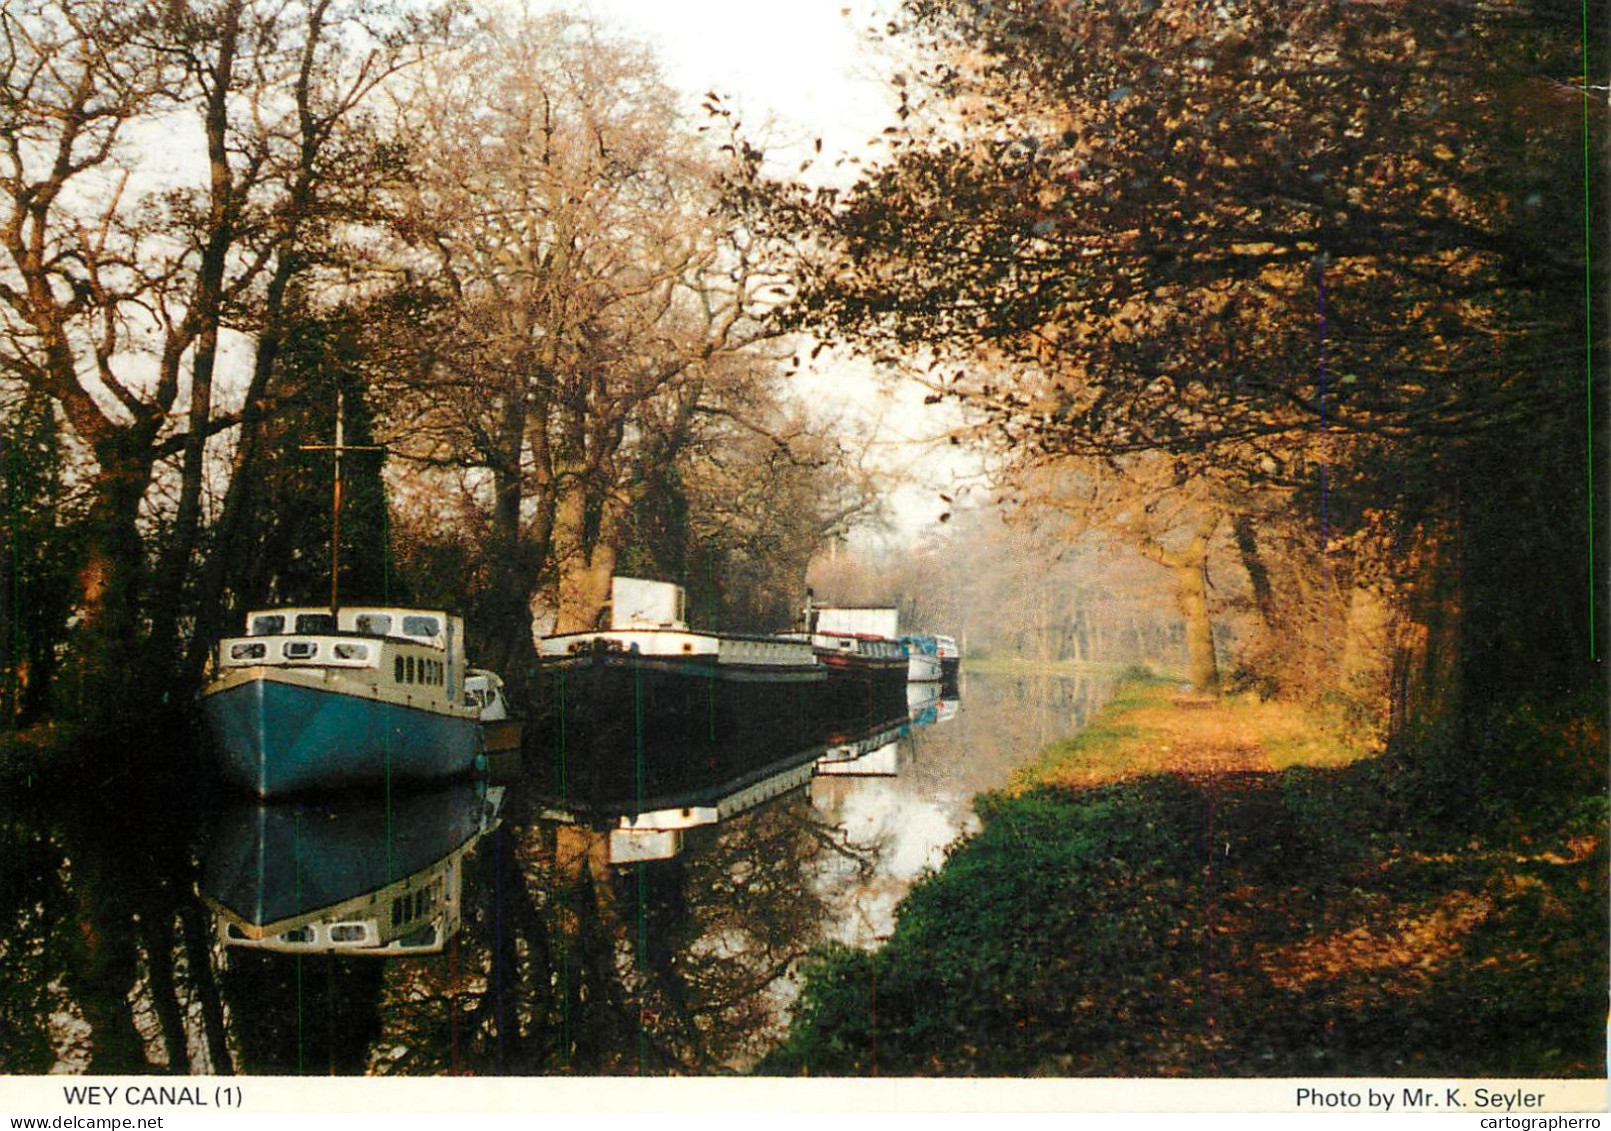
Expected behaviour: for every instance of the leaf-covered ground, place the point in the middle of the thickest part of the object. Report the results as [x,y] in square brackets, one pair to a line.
[1194,889]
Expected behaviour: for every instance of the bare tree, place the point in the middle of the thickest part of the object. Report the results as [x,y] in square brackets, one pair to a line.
[577,302]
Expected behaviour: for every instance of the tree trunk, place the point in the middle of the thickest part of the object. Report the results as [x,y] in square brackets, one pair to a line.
[200,330]
[104,673]
[1189,565]
[586,563]
[1258,574]
[1366,647]
[1191,581]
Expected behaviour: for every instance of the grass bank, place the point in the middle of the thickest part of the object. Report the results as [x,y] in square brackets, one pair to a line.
[1225,888]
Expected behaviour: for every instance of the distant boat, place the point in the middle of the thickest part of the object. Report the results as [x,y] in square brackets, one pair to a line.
[923,702]
[348,875]
[923,654]
[866,662]
[313,699]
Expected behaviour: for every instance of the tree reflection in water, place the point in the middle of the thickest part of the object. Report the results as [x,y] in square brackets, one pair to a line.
[103,968]
[571,964]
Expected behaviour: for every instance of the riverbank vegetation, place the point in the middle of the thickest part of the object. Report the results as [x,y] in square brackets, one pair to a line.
[1235,888]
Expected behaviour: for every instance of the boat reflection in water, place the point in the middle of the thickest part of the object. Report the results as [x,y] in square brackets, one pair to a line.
[647,791]
[360,876]
[695,785]
[873,752]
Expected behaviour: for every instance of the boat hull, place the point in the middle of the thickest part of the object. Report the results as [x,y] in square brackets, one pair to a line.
[863,688]
[615,727]
[276,737]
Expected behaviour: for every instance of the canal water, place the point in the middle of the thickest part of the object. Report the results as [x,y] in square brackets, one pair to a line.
[486,929]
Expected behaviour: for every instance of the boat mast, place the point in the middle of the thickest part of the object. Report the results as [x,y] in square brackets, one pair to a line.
[337,449]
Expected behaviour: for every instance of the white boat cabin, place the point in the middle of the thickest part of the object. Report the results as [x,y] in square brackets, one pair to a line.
[402,648]
[837,619]
[635,603]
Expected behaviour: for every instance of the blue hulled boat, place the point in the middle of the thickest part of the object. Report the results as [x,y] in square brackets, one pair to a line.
[313,699]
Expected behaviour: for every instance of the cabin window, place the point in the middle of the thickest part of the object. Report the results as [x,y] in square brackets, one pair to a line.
[352,652]
[348,932]
[298,935]
[300,650]
[421,626]
[269,624]
[408,666]
[248,651]
[315,622]
[425,936]
[374,624]
[398,673]
[235,932]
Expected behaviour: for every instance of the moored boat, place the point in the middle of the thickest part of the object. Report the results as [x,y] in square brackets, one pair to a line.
[314,698]
[866,663]
[651,685]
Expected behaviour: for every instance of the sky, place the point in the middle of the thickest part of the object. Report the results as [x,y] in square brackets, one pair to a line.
[802,64]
